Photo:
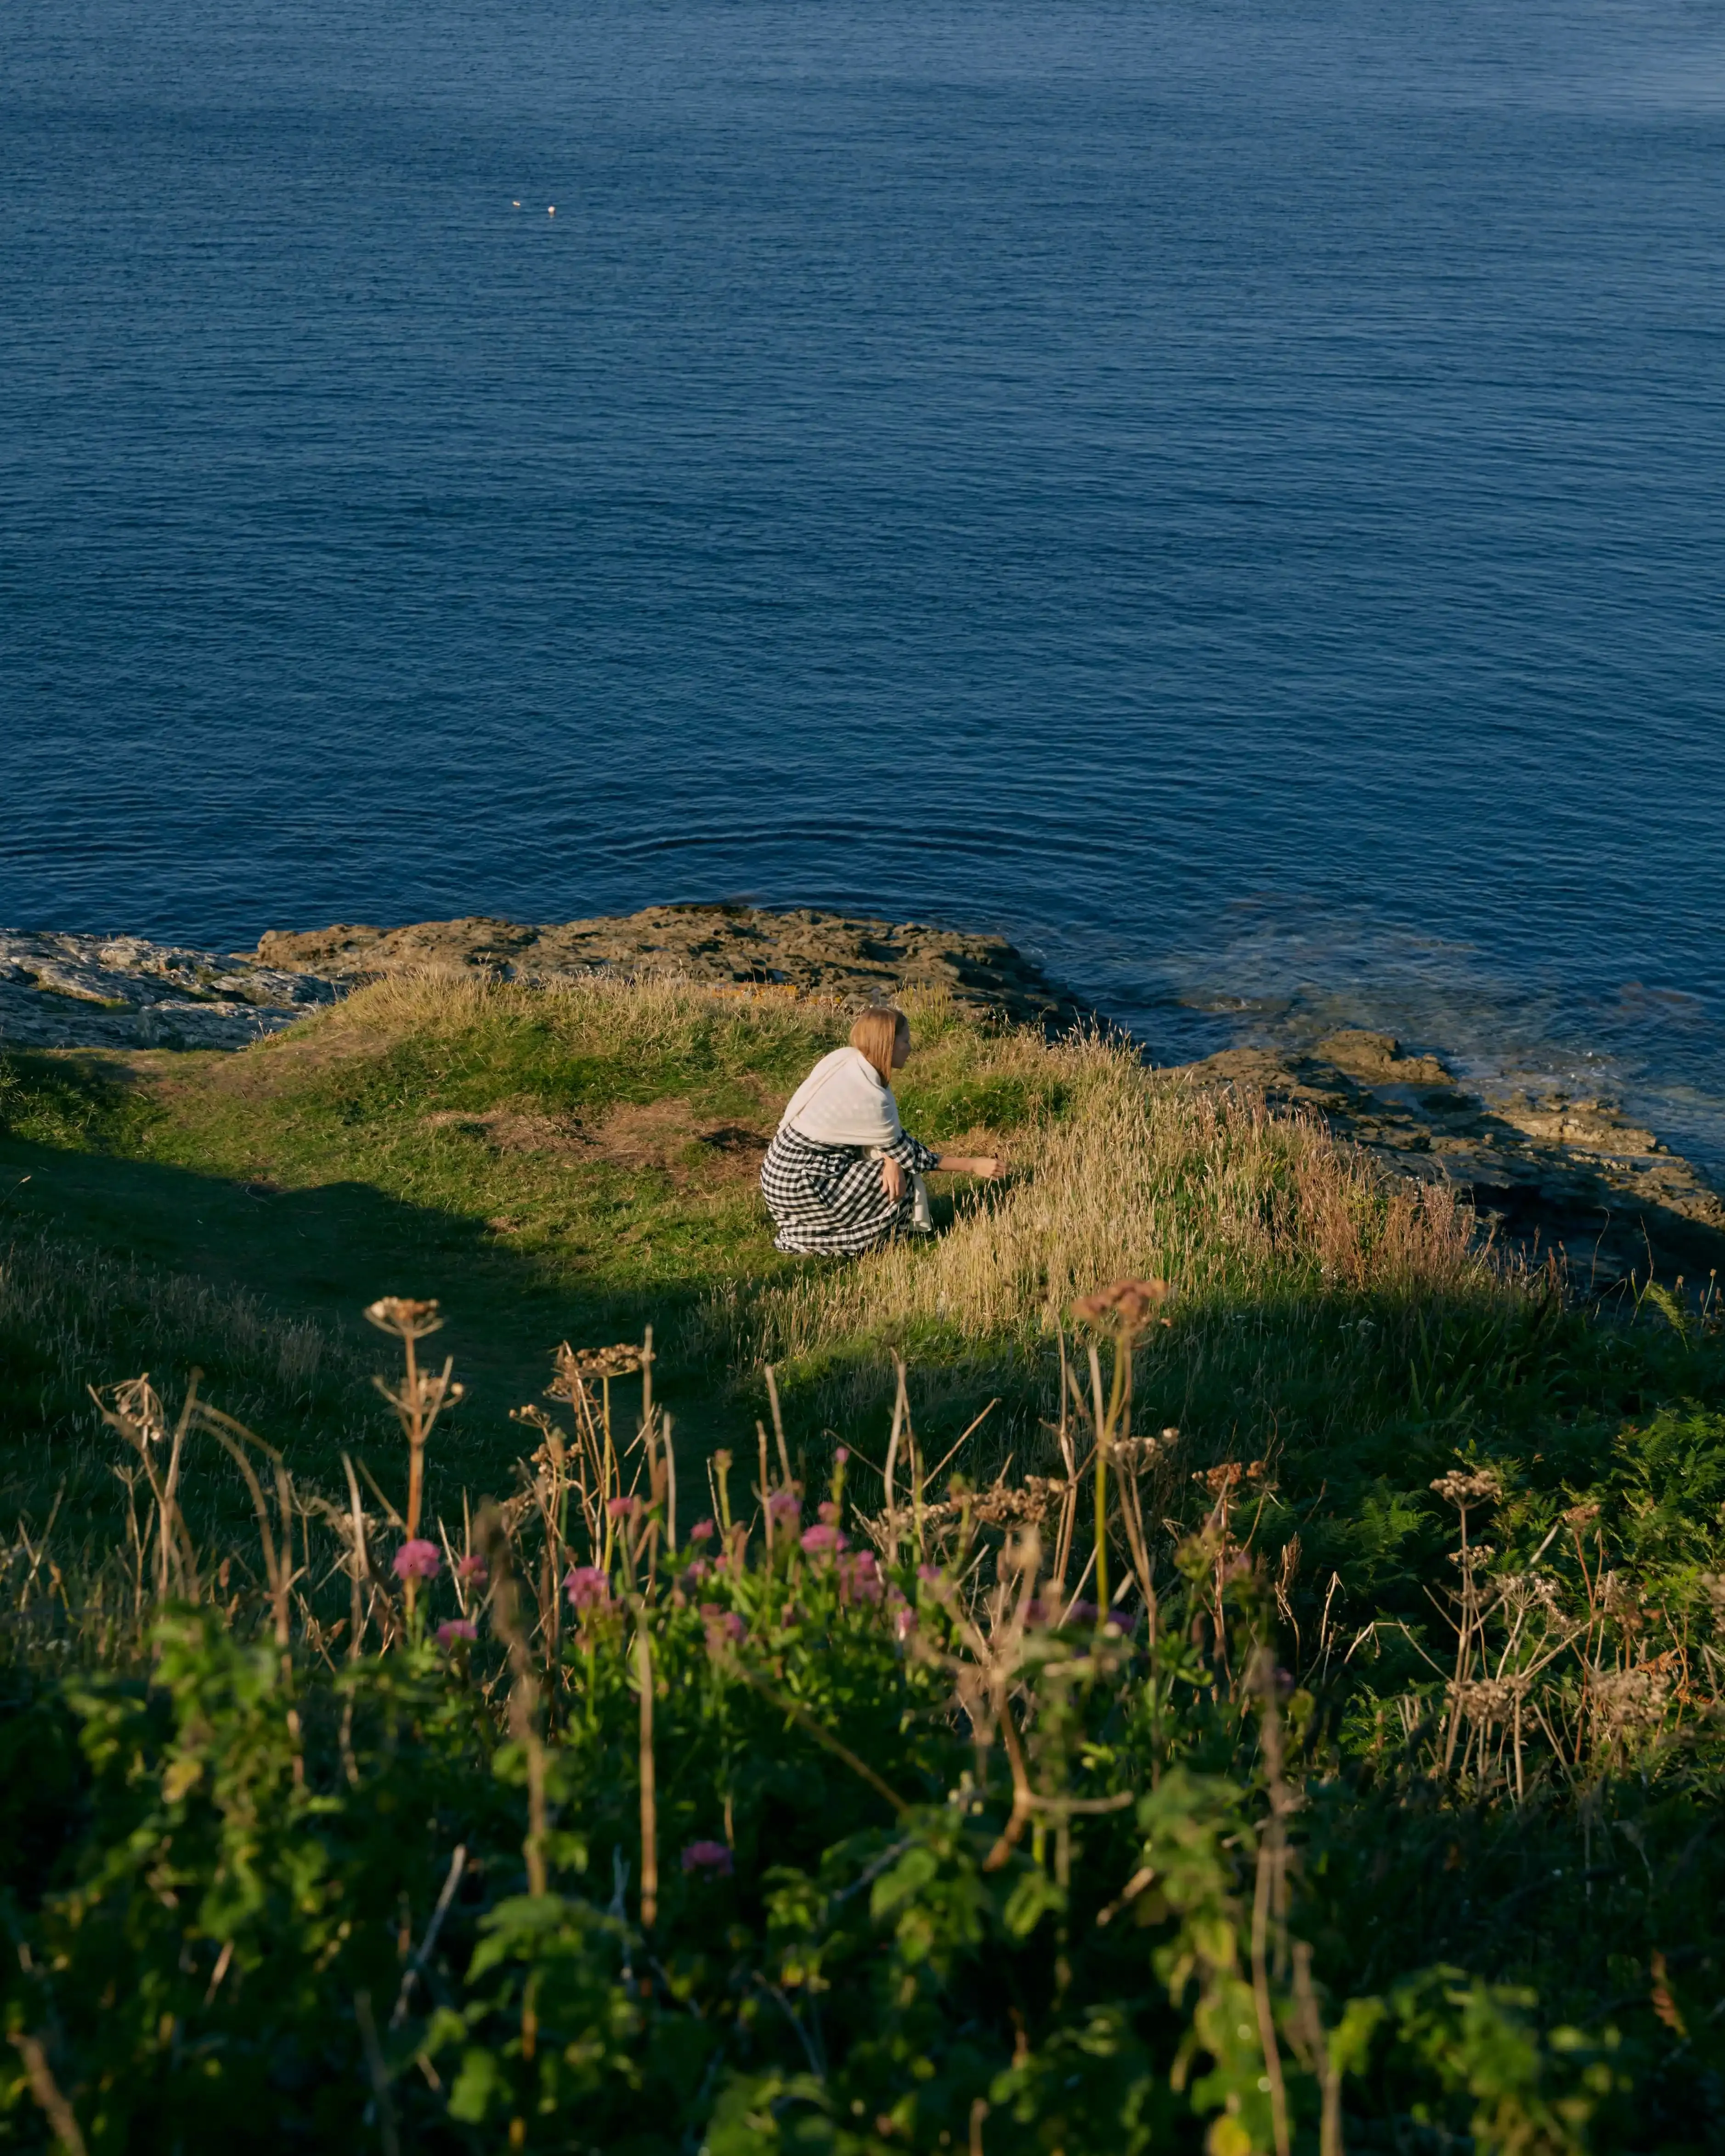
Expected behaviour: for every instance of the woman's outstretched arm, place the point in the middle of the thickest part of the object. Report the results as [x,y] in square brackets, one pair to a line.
[986,1164]
[892,1174]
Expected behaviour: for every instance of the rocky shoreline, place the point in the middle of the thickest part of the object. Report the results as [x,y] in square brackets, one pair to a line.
[1548,1170]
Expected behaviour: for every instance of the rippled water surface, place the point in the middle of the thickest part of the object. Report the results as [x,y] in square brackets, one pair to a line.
[1229,494]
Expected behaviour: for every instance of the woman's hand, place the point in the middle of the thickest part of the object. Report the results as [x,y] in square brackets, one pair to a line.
[892,1178]
[989,1166]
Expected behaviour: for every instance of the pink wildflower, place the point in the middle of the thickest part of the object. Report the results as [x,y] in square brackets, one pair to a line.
[831,1514]
[860,1578]
[624,1508]
[471,1570]
[931,1575]
[724,1627]
[842,1455]
[821,1541]
[587,1588]
[703,1530]
[418,1559]
[696,1573]
[456,1628]
[709,1857]
[785,1506]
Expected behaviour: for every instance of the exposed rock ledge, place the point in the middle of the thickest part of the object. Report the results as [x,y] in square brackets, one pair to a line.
[1547,1169]
[121,992]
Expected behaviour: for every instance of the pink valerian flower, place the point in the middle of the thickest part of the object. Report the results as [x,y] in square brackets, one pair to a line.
[904,1617]
[622,1508]
[471,1570]
[784,1506]
[418,1559]
[697,1572]
[931,1575]
[823,1540]
[860,1578]
[831,1514]
[588,1588]
[456,1628]
[842,1455]
[703,1530]
[724,1627]
[710,1857]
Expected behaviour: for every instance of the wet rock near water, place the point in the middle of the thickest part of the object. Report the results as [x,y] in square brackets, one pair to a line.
[1547,1171]
[123,992]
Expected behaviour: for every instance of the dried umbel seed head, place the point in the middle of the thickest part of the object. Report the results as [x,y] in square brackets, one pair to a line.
[1581,1515]
[401,1315]
[1634,1698]
[1002,1505]
[1529,1590]
[577,1366]
[1492,1699]
[137,1411]
[1619,1599]
[1128,1303]
[1468,1486]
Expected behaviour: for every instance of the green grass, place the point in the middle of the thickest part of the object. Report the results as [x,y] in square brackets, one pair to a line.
[579,1165]
[550,1166]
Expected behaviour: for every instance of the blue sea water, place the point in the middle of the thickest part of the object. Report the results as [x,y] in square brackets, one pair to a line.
[1226,491]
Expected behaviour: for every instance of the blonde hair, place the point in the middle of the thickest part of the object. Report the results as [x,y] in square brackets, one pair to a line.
[876,1033]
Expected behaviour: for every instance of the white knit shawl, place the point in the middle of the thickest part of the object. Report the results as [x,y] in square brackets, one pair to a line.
[844,1102]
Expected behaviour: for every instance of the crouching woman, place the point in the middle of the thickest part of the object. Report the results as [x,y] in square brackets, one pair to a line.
[842,1175]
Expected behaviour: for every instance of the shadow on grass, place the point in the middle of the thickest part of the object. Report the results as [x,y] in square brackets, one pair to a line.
[113,1265]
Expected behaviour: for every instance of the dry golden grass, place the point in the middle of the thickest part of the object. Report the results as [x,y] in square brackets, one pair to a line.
[656,1015]
[1141,1174]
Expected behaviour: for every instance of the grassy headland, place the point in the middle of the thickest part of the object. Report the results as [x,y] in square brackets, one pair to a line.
[1505,1768]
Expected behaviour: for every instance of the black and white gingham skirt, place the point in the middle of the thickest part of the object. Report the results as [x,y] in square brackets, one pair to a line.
[827,1201]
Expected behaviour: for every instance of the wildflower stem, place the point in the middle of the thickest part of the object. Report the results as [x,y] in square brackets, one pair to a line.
[650,1810]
